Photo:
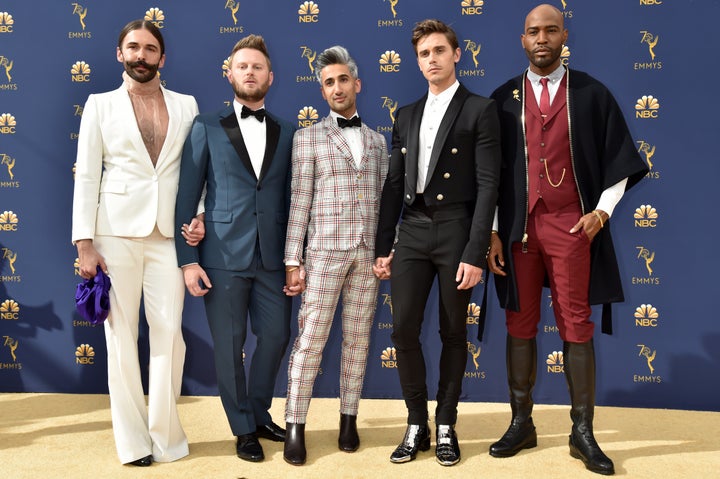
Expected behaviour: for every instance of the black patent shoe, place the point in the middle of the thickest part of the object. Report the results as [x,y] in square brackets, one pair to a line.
[271,431]
[417,438]
[294,451]
[520,435]
[142,462]
[584,447]
[249,449]
[447,449]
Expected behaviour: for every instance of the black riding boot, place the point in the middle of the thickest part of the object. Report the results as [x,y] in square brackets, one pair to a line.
[521,358]
[579,360]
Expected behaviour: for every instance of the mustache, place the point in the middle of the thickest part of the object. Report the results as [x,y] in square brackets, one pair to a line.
[141,63]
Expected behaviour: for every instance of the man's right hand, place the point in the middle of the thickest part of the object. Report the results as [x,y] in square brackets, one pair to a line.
[196,280]
[89,259]
[495,258]
[382,267]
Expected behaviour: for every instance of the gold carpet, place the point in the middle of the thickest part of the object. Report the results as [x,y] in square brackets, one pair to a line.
[70,436]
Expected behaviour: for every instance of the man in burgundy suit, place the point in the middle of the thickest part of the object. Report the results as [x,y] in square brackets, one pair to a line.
[338,169]
[568,157]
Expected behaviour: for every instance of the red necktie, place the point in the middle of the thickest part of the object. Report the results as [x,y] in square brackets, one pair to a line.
[544,98]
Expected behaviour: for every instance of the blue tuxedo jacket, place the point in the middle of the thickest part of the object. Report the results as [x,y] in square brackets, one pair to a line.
[242,211]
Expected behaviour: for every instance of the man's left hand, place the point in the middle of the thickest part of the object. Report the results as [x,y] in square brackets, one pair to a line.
[195,231]
[590,223]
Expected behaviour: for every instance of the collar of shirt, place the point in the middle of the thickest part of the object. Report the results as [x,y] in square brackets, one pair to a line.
[254,135]
[553,82]
[353,137]
[443,98]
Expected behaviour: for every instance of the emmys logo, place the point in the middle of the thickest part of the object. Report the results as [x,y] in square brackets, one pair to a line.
[474,352]
[7,124]
[226,67]
[310,55]
[645,217]
[555,362]
[84,354]
[474,49]
[651,41]
[566,13]
[9,163]
[646,315]
[80,72]
[649,356]
[648,151]
[391,107]
[394,21]
[387,300]
[233,6]
[307,116]
[647,107]
[156,16]
[471,7]
[81,13]
[6,22]
[11,256]
[473,314]
[13,345]
[8,221]
[9,310]
[393,4]
[7,65]
[647,257]
[308,12]
[388,358]
[390,61]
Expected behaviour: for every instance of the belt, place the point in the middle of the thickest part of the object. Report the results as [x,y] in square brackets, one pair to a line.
[419,211]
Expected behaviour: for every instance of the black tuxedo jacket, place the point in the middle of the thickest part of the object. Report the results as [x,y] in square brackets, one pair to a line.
[464,168]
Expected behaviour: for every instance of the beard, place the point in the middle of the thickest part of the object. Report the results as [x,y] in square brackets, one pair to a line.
[547,60]
[149,74]
[251,95]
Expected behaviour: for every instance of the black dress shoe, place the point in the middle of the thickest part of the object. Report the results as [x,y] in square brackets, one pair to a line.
[248,448]
[584,447]
[271,431]
[447,449]
[294,450]
[348,440]
[520,435]
[417,438]
[142,462]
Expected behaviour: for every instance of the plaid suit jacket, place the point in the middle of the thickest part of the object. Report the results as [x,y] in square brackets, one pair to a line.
[334,204]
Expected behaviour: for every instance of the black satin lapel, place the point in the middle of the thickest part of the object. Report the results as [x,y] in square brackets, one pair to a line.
[453,110]
[232,130]
[271,142]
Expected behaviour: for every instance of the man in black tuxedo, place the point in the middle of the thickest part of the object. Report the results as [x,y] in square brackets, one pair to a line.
[442,180]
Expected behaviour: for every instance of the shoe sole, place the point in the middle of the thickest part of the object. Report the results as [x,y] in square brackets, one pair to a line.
[576,454]
[529,445]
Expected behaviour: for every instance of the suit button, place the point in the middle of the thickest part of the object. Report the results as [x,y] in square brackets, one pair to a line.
[359,176]
[403,150]
[440,197]
[454,151]
[407,196]
[360,196]
[446,175]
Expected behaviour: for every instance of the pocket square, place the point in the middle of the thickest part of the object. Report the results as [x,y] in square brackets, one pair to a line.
[92,297]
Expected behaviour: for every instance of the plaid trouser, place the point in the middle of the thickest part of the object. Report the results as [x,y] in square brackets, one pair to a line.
[330,274]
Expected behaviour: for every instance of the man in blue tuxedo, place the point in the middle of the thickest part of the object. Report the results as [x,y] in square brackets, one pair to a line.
[241,155]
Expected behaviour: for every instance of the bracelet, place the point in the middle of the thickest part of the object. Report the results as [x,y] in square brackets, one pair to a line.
[599,217]
[290,270]
[493,232]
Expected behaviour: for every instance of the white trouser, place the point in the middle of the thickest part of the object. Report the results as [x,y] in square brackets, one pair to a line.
[137,267]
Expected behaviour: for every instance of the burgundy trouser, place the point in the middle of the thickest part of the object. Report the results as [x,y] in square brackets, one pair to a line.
[565,258]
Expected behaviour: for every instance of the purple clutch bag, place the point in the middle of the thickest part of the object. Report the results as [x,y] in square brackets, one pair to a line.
[92,298]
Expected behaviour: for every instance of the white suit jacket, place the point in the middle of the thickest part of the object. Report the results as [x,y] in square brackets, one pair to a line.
[118,192]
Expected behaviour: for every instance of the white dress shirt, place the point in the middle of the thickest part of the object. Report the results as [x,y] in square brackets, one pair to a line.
[254,135]
[353,136]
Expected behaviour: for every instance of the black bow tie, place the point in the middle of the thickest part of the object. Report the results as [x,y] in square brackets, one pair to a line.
[259,114]
[354,121]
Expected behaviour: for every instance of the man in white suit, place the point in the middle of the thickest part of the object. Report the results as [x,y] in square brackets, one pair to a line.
[338,169]
[127,172]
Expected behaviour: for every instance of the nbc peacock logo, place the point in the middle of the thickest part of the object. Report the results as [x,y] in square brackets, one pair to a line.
[307,116]
[565,55]
[80,72]
[6,22]
[647,106]
[156,16]
[7,124]
[471,7]
[84,354]
[226,67]
[8,221]
[645,216]
[473,314]
[388,358]
[555,362]
[9,310]
[390,61]
[308,12]
[646,316]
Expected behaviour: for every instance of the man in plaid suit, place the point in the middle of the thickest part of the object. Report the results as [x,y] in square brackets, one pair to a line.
[338,169]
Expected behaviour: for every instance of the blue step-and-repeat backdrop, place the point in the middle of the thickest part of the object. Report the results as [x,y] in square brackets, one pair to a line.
[652,54]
